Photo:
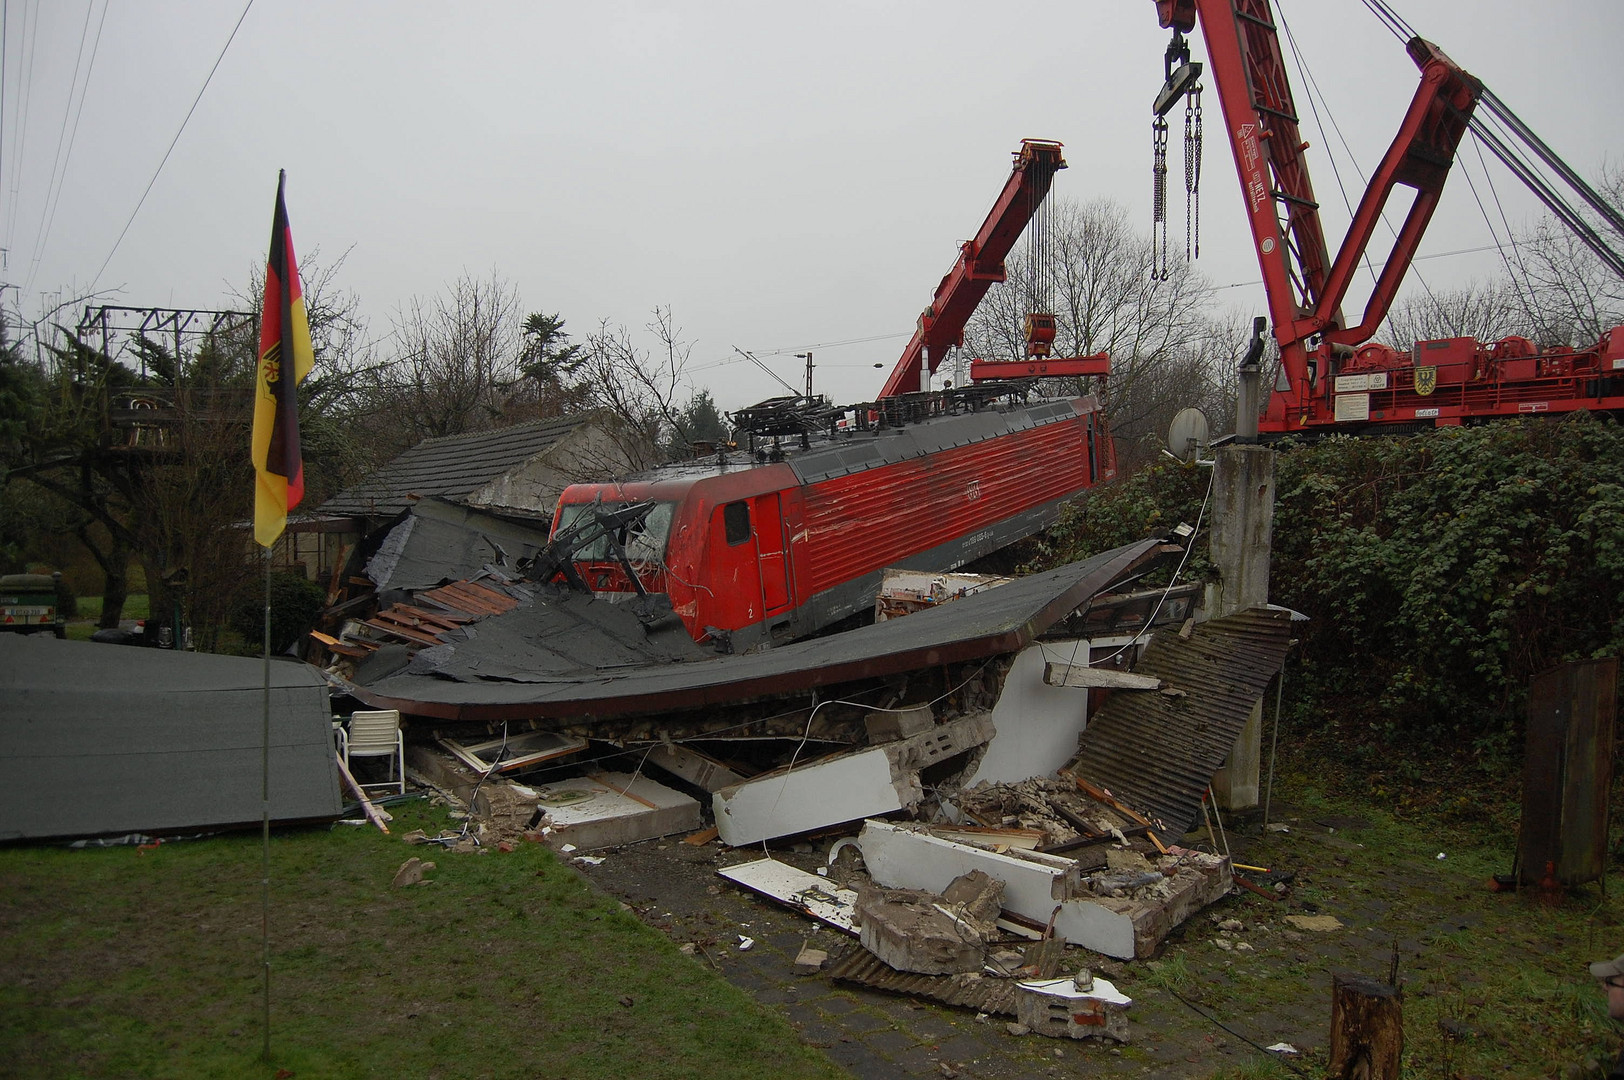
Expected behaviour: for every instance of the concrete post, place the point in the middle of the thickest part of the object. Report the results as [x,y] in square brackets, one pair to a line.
[1242,531]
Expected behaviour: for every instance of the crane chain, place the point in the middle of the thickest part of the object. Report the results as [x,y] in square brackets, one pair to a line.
[1192,174]
[1158,200]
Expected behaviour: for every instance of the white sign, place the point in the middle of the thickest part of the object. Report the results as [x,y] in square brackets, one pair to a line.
[1352,407]
[1376,380]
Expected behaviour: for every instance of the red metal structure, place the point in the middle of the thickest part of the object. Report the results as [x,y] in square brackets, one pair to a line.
[1336,379]
[980,264]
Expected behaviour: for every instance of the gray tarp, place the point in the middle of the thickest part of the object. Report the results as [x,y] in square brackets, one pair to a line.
[98,739]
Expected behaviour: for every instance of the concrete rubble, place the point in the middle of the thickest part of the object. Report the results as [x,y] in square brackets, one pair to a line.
[919,931]
[972,858]
[1077,1007]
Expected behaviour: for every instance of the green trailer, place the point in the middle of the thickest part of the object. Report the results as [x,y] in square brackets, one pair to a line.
[29,603]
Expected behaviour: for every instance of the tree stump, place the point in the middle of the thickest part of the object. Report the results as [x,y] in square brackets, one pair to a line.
[1367,1029]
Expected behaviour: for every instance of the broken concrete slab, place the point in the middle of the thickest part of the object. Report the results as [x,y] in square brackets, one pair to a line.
[978,899]
[843,788]
[911,930]
[910,857]
[1039,723]
[1131,927]
[1073,1007]
[607,809]
[700,770]
[810,959]
[815,896]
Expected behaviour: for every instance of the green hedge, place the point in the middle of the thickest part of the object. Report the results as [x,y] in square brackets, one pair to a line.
[1440,570]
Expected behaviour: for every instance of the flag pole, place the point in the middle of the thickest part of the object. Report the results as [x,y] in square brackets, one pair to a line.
[265,814]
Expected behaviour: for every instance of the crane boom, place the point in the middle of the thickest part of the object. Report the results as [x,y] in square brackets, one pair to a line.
[1304,286]
[979,265]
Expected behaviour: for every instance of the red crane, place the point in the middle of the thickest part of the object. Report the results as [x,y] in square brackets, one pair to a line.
[1336,378]
[979,265]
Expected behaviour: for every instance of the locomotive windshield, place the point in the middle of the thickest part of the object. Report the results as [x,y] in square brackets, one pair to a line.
[643,541]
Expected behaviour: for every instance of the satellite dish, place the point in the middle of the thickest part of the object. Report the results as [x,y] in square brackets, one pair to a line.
[1187,434]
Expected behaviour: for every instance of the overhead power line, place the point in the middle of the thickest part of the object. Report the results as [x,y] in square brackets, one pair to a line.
[142,201]
[53,193]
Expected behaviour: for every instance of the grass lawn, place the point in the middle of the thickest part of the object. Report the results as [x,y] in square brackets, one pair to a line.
[1493,983]
[119,962]
[90,609]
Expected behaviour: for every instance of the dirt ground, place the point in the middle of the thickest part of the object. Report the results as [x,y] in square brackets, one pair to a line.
[1206,1005]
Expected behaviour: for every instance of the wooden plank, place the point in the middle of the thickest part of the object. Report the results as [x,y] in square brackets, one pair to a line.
[1100,795]
[1078,675]
[445,619]
[374,815]
[701,838]
[342,648]
[404,633]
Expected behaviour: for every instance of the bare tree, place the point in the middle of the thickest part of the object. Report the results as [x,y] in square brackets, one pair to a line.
[638,388]
[1107,301]
[1488,311]
[457,355]
[1574,297]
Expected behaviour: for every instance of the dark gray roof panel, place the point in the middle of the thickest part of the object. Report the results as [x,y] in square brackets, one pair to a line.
[98,739]
[452,467]
[497,681]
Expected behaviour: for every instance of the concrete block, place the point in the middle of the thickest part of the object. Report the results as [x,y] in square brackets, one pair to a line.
[890,725]
[903,857]
[1063,1009]
[606,809]
[910,930]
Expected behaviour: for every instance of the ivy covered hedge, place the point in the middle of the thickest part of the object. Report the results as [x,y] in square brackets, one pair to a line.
[1440,571]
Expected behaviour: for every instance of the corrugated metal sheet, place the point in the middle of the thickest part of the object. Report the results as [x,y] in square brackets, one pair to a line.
[1568,772]
[983,993]
[1157,750]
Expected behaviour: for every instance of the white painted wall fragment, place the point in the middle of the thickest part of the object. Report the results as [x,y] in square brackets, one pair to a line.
[845,788]
[818,897]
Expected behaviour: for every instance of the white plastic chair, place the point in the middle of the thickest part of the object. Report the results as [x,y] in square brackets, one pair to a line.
[376,734]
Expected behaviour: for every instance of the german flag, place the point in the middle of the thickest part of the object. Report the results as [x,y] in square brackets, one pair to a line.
[284,334]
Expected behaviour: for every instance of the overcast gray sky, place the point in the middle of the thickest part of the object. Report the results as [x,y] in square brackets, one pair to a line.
[785,177]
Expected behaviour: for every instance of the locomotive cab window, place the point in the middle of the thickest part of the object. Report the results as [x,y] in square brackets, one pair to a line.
[642,541]
[736,522]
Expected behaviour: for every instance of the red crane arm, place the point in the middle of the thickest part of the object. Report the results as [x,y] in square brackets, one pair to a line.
[980,263]
[1419,158]
[1305,289]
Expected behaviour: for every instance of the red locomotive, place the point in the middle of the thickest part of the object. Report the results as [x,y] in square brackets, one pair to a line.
[788,541]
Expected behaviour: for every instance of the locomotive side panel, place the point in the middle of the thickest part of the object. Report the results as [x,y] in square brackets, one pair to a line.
[866,521]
